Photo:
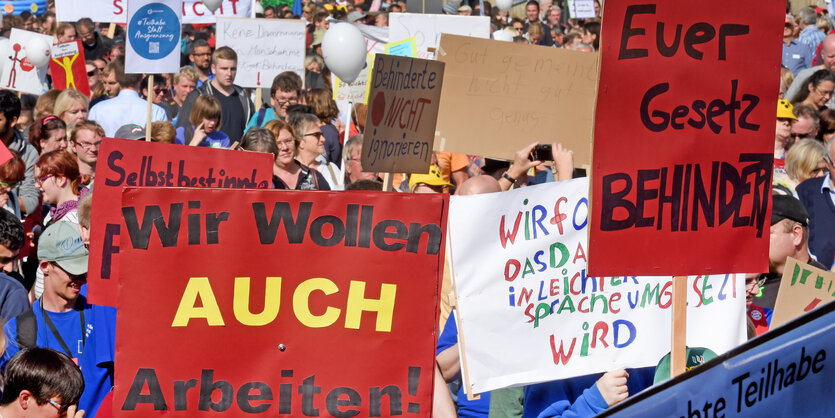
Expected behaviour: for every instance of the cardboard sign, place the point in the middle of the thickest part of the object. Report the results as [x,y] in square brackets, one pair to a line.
[284,303]
[519,269]
[18,73]
[153,37]
[581,9]
[356,91]
[400,126]
[427,29]
[114,11]
[524,93]
[802,289]
[785,373]
[682,162]
[130,163]
[265,47]
[68,67]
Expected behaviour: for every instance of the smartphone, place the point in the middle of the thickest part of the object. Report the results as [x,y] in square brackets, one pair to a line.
[541,153]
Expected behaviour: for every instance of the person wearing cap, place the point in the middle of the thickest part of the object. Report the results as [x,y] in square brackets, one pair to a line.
[789,237]
[431,182]
[785,118]
[357,17]
[61,319]
[465,10]
[818,197]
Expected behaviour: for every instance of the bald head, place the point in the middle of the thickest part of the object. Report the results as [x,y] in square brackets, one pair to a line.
[828,52]
[478,185]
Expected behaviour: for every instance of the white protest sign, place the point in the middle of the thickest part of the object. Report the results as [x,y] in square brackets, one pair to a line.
[265,47]
[527,312]
[581,9]
[18,73]
[114,11]
[356,91]
[153,37]
[427,29]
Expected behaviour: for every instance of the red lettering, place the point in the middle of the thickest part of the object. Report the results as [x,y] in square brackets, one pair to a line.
[559,356]
[580,305]
[579,254]
[234,6]
[504,235]
[698,292]
[194,7]
[604,328]
[507,265]
[579,285]
[614,298]
[525,293]
[118,5]
[665,291]
[559,216]
[555,287]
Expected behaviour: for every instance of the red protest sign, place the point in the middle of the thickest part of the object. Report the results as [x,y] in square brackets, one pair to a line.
[684,138]
[278,302]
[127,163]
[68,68]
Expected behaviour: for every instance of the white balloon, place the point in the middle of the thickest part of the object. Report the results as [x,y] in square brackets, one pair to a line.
[38,51]
[502,35]
[343,49]
[212,5]
[5,51]
[504,5]
[258,8]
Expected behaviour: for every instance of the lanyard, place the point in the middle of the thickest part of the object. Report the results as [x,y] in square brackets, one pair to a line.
[57,335]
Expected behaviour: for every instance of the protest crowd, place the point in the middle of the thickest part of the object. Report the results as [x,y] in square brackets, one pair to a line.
[316,144]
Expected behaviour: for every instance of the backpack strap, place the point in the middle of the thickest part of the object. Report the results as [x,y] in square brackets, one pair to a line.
[262,113]
[27,329]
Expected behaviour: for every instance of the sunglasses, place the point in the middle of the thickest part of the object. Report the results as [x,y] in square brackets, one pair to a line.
[159,90]
[62,408]
[92,72]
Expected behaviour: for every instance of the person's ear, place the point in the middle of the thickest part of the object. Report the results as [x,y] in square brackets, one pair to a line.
[26,400]
[44,265]
[797,235]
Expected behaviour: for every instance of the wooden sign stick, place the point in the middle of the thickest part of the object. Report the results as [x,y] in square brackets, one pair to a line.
[150,102]
[258,99]
[678,348]
[111,30]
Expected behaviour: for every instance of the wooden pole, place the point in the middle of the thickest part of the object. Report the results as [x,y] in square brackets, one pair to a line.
[111,30]
[150,102]
[678,349]
[258,99]
[388,181]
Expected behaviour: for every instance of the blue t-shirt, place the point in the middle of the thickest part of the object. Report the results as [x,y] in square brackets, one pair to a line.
[95,353]
[466,408]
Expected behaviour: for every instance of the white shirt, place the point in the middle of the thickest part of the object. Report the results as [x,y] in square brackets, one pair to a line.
[126,108]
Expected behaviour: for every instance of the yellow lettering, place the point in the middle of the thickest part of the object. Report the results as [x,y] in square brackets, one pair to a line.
[302,308]
[357,304]
[272,300]
[198,287]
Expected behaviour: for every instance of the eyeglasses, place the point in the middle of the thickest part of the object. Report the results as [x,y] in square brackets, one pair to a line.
[825,93]
[89,145]
[92,72]
[799,136]
[289,102]
[42,179]
[161,90]
[62,407]
[318,135]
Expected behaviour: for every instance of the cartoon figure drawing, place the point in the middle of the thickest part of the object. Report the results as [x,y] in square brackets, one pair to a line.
[15,60]
[66,64]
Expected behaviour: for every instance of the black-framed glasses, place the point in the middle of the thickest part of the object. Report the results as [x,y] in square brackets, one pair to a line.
[92,72]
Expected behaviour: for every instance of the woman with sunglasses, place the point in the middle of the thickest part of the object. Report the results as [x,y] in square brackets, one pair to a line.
[61,185]
[288,173]
[48,134]
[311,148]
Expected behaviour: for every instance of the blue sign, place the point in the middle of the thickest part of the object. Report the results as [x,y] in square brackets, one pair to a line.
[784,372]
[154,31]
